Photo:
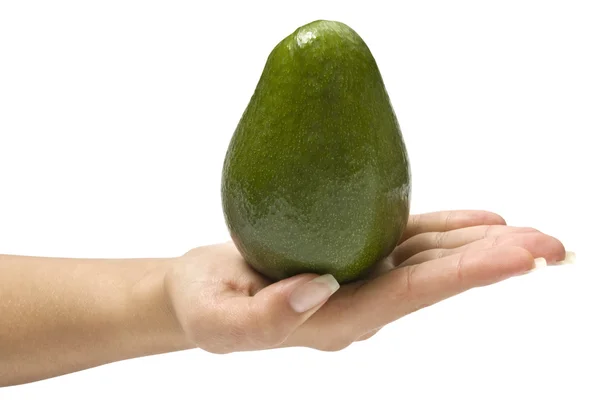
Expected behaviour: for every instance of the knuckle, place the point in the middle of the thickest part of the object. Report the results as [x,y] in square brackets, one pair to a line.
[487,243]
[405,284]
[459,266]
[448,219]
[495,241]
[494,219]
[488,231]
[440,237]
[408,280]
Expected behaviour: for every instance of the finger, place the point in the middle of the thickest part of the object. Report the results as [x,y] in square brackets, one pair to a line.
[537,243]
[405,290]
[443,221]
[269,317]
[450,239]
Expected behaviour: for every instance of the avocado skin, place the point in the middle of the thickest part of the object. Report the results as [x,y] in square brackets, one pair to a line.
[316,177]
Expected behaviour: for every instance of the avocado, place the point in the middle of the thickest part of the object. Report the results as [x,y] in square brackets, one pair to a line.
[316,177]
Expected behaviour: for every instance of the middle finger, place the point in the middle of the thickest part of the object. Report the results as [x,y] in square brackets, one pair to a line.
[450,239]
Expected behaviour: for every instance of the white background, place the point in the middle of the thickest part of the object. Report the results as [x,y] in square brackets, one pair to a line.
[114,121]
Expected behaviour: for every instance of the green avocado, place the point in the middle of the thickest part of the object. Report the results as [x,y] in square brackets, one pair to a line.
[316,177]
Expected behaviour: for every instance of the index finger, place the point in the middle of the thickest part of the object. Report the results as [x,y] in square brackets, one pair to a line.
[443,221]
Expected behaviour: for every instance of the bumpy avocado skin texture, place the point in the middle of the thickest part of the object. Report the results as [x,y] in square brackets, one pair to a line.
[316,177]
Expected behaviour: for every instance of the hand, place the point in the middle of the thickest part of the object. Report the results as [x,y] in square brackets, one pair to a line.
[223,305]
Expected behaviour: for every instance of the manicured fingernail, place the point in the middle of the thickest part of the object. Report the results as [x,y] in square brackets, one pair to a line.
[313,293]
[569,258]
[539,263]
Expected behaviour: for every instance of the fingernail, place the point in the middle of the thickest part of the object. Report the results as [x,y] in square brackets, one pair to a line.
[569,258]
[537,264]
[313,293]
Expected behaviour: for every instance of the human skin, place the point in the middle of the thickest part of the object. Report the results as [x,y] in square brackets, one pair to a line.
[61,315]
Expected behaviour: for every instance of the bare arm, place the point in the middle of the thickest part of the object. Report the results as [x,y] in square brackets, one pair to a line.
[62,315]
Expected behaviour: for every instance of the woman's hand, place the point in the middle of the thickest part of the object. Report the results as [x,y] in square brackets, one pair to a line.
[223,305]
[61,315]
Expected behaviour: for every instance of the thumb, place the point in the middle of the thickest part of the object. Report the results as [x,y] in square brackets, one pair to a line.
[279,309]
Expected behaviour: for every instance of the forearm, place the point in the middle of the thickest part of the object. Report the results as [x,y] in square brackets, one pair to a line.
[63,315]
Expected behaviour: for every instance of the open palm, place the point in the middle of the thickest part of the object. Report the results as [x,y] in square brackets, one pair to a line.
[223,305]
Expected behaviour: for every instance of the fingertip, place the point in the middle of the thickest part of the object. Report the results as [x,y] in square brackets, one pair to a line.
[501,220]
[469,218]
[516,260]
[549,247]
[569,258]
[278,309]
[287,285]
[302,292]
[501,263]
[314,293]
[492,218]
[559,254]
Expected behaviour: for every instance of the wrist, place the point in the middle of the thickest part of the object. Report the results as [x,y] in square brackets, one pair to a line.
[152,324]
